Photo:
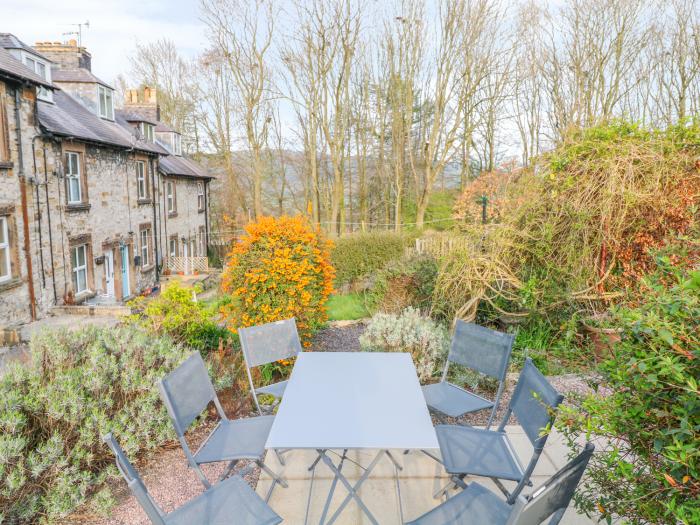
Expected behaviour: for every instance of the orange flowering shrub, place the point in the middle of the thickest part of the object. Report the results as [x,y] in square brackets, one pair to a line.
[279,269]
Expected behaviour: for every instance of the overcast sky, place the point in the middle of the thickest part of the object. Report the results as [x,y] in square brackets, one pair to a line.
[115,26]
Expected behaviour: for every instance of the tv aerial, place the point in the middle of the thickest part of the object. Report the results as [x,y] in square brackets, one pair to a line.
[79,32]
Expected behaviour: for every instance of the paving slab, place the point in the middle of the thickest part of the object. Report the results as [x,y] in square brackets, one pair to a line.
[421,476]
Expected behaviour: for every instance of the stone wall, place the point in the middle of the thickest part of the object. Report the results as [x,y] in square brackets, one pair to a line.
[15,305]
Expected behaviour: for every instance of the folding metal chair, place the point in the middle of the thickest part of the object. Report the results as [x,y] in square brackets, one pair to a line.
[266,343]
[186,392]
[478,506]
[232,501]
[489,453]
[481,349]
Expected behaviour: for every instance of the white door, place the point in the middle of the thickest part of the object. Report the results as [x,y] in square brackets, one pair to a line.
[109,273]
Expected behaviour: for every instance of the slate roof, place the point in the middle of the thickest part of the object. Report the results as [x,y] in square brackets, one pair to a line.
[182,167]
[9,65]
[68,118]
[135,116]
[162,127]
[10,41]
[76,75]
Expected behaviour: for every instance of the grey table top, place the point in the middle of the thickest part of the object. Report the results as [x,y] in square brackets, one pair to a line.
[355,400]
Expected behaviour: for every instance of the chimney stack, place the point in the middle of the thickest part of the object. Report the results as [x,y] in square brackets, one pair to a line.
[66,55]
[144,103]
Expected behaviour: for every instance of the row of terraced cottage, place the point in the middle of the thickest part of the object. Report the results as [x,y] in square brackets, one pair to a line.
[94,201]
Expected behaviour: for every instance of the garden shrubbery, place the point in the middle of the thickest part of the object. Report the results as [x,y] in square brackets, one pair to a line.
[175,313]
[53,412]
[360,254]
[402,283]
[409,331]
[647,417]
[279,269]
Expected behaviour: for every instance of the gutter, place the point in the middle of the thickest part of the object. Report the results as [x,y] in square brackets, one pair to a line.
[23,193]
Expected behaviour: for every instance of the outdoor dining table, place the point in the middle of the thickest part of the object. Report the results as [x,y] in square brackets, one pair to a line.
[352,400]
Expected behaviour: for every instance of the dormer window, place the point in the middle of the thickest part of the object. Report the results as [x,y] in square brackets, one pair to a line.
[40,68]
[147,131]
[106,104]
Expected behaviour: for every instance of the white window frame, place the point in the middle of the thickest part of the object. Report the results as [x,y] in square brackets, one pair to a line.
[145,234]
[177,144]
[149,132]
[5,248]
[172,247]
[141,180]
[70,176]
[105,92]
[200,196]
[170,196]
[78,269]
[202,247]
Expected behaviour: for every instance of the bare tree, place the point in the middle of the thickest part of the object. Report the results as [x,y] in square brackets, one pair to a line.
[159,64]
[242,32]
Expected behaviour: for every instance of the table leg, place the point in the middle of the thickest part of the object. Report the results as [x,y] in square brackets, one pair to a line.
[352,490]
[333,485]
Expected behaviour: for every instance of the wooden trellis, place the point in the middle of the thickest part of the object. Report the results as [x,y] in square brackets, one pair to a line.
[188,264]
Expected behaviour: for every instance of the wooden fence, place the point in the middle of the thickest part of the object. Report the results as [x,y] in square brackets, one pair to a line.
[441,245]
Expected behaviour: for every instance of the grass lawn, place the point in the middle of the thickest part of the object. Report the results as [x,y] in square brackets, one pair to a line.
[346,307]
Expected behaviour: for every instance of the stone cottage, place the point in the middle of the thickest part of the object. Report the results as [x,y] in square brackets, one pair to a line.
[104,191]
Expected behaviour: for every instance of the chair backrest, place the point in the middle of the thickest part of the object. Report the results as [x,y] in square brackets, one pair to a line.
[269,342]
[533,403]
[554,495]
[482,349]
[187,391]
[133,480]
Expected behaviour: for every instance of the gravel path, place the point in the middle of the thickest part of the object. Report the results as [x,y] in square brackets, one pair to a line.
[340,336]
[168,479]
[172,483]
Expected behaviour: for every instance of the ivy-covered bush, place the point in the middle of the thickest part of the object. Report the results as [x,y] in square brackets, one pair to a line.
[175,313]
[426,340]
[53,412]
[279,269]
[360,254]
[646,418]
[402,283]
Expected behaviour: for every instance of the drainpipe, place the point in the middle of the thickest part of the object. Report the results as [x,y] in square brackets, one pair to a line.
[155,218]
[38,211]
[48,219]
[206,216]
[23,194]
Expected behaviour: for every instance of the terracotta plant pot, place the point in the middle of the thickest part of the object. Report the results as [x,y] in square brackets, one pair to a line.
[603,339]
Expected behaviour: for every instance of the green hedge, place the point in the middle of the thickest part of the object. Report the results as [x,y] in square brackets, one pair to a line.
[54,411]
[361,254]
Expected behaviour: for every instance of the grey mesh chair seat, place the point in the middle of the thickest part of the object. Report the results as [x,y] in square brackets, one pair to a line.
[489,453]
[276,389]
[453,400]
[235,439]
[475,504]
[480,349]
[231,502]
[186,392]
[475,451]
[267,343]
